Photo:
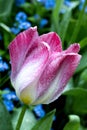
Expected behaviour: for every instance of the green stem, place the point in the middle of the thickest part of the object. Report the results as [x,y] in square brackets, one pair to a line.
[21,117]
[78,24]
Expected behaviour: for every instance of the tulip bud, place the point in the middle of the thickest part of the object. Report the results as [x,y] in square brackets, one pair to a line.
[40,69]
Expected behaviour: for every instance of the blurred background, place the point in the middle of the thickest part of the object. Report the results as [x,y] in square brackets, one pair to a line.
[68,18]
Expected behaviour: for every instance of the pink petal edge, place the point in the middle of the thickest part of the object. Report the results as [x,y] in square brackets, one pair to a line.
[53,41]
[19,48]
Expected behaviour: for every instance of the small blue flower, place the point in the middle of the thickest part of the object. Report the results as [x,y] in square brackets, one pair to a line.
[19,2]
[43,22]
[21,17]
[8,104]
[15,30]
[8,97]
[24,25]
[3,65]
[39,111]
[49,4]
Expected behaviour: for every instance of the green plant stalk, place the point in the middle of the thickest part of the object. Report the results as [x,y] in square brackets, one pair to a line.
[78,24]
[21,117]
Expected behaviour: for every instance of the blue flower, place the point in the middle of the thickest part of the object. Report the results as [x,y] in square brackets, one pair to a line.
[47,3]
[24,25]
[39,111]
[43,22]
[21,17]
[8,98]
[19,2]
[8,104]
[3,65]
[15,30]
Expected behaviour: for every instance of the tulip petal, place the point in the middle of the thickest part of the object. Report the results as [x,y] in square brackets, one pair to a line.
[53,40]
[73,48]
[19,48]
[26,80]
[55,84]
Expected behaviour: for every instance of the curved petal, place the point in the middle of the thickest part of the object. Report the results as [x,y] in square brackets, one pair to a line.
[19,48]
[53,85]
[73,48]
[53,40]
[26,80]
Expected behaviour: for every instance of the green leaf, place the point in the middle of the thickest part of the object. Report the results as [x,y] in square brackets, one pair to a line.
[28,122]
[64,24]
[83,43]
[5,122]
[83,63]
[5,27]
[5,7]
[55,15]
[78,24]
[66,19]
[73,124]
[45,123]
[79,100]
[83,79]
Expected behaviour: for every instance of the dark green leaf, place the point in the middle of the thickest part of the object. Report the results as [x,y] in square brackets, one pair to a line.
[79,100]
[5,122]
[5,7]
[78,24]
[45,123]
[83,63]
[64,24]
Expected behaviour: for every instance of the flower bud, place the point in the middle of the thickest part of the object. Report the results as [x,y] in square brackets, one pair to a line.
[40,69]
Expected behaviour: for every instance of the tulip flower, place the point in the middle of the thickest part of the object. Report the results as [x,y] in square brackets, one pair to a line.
[40,69]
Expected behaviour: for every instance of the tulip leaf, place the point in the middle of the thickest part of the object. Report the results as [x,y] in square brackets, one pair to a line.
[73,124]
[78,24]
[5,121]
[64,24]
[83,63]
[83,43]
[5,27]
[45,123]
[78,103]
[5,7]
[66,19]
[28,121]
[55,15]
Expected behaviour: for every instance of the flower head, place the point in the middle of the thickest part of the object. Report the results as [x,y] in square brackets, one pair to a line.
[40,68]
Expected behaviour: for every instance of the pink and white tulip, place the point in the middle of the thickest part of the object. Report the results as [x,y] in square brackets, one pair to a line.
[40,68]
